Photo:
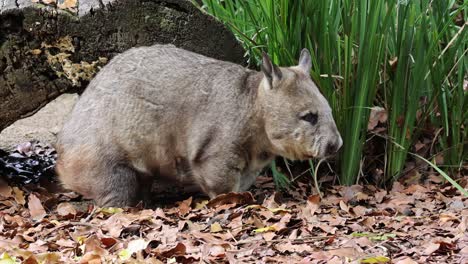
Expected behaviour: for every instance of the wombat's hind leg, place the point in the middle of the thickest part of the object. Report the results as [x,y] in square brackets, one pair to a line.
[120,189]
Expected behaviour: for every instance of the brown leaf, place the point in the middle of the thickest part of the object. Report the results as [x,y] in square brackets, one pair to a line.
[377,115]
[464,250]
[344,207]
[49,257]
[314,199]
[293,248]
[235,225]
[117,222]
[446,217]
[268,236]
[348,252]
[350,192]
[137,246]
[19,196]
[160,213]
[66,243]
[5,191]
[108,241]
[217,251]
[440,247]
[379,196]
[208,237]
[364,242]
[312,205]
[271,201]
[35,208]
[66,209]
[30,260]
[359,210]
[446,247]
[169,252]
[431,248]
[418,146]
[360,196]
[93,244]
[415,188]
[90,258]
[406,260]
[184,207]
[231,198]
[38,246]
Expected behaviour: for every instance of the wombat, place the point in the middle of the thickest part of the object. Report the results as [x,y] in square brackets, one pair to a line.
[165,112]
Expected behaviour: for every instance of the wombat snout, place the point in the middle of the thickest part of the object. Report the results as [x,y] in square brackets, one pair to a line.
[333,147]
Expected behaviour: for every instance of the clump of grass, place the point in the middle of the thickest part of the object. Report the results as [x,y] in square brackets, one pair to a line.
[420,38]
[352,43]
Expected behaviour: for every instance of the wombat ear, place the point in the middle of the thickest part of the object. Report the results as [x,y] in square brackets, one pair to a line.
[305,62]
[270,70]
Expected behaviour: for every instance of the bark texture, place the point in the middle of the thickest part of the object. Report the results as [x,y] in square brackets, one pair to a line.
[49,47]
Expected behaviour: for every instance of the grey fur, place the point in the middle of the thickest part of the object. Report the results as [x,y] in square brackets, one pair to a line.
[165,112]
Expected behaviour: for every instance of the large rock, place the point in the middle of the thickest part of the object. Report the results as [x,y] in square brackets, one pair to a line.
[43,125]
[47,49]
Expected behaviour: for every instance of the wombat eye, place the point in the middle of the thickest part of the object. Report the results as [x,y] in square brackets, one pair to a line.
[310,117]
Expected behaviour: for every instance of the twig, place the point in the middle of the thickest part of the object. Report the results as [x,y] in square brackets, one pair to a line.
[50,231]
[91,214]
[235,240]
[301,240]
[315,178]
[83,224]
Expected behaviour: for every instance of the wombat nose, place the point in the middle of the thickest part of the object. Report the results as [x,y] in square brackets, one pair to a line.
[331,148]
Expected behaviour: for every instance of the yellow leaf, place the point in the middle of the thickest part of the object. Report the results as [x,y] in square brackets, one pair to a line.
[373,237]
[376,260]
[215,227]
[124,254]
[111,210]
[382,237]
[265,229]
[80,239]
[6,259]
[200,205]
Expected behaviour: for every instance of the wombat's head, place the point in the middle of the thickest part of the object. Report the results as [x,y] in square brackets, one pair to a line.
[298,119]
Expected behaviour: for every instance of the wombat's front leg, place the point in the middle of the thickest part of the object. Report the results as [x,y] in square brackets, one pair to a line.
[217,175]
[121,187]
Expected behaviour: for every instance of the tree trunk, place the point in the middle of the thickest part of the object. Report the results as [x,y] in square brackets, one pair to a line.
[48,47]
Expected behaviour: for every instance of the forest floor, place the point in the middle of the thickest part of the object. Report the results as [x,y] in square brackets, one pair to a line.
[410,223]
